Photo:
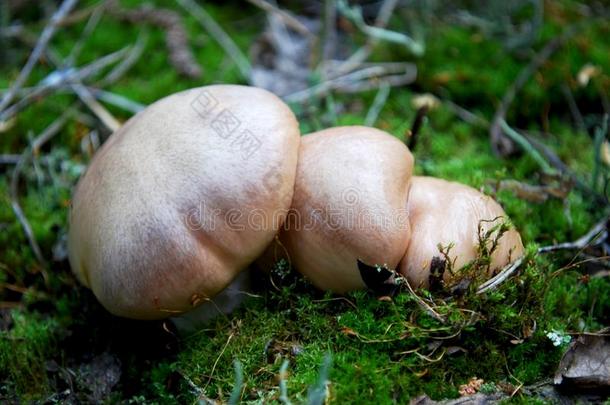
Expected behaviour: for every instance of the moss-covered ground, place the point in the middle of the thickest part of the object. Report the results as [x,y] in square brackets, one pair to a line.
[380,351]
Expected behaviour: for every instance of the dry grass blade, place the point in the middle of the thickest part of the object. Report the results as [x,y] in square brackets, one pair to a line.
[60,78]
[45,136]
[499,278]
[424,305]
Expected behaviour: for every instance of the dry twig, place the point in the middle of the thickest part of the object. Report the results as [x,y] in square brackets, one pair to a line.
[40,47]
[599,232]
[424,305]
[378,103]
[285,16]
[58,79]
[502,145]
[212,27]
[44,137]
[367,78]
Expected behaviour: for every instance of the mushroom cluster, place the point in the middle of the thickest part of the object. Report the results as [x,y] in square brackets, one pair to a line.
[201,184]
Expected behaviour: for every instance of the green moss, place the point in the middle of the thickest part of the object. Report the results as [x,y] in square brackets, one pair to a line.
[23,351]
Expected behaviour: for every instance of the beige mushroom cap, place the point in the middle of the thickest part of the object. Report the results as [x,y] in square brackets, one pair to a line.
[349,203]
[162,219]
[443,212]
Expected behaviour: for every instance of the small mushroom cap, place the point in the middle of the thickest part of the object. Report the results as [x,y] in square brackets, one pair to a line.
[349,203]
[444,212]
[182,198]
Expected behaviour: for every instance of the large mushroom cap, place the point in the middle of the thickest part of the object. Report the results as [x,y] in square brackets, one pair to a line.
[182,198]
[448,213]
[349,203]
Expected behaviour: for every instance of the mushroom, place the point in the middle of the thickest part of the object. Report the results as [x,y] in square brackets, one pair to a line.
[452,216]
[349,203]
[169,211]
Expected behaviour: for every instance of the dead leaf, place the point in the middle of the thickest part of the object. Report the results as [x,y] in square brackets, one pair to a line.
[99,376]
[586,363]
[528,331]
[380,279]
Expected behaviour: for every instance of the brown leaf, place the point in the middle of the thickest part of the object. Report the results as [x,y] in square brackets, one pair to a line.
[537,193]
[348,331]
[586,363]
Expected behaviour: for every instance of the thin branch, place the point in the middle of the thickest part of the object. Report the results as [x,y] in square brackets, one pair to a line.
[574,110]
[329,30]
[378,103]
[465,115]
[499,278]
[362,54]
[212,27]
[45,136]
[91,25]
[40,47]
[367,78]
[285,16]
[9,159]
[99,110]
[599,231]
[500,143]
[355,15]
[59,78]
[525,145]
[423,305]
[117,100]
[132,57]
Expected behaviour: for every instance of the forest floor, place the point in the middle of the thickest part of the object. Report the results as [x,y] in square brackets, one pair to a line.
[57,344]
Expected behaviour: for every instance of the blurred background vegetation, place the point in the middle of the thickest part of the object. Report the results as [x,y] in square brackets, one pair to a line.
[517,99]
